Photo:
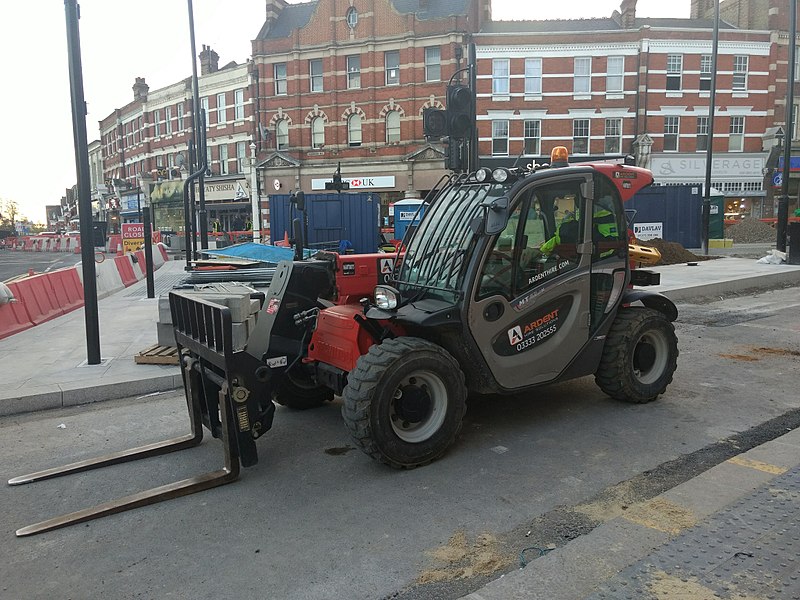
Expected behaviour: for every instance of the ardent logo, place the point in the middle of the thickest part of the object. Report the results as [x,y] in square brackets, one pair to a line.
[541,321]
[515,335]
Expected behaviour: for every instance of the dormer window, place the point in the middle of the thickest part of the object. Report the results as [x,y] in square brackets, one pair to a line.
[352,17]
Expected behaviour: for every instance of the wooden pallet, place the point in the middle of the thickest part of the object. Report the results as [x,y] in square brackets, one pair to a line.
[157,355]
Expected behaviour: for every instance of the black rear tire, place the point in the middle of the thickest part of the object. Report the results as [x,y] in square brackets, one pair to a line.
[297,391]
[639,357]
[404,403]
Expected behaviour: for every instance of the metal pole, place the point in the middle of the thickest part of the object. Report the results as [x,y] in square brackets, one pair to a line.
[84,183]
[710,149]
[255,197]
[148,254]
[139,201]
[783,202]
[199,134]
[472,164]
[190,215]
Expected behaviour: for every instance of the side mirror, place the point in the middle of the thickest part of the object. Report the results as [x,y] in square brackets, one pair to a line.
[496,215]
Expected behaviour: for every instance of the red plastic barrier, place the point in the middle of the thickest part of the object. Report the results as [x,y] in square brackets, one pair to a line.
[37,297]
[114,243]
[67,288]
[141,262]
[28,244]
[58,244]
[125,269]
[66,244]
[163,252]
[13,319]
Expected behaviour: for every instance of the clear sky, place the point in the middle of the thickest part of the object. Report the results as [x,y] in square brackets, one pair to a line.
[122,40]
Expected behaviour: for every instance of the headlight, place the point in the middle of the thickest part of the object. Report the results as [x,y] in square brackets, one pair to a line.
[482,175]
[500,175]
[386,298]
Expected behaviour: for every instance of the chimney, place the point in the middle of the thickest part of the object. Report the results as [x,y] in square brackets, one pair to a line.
[140,89]
[628,14]
[209,61]
[274,9]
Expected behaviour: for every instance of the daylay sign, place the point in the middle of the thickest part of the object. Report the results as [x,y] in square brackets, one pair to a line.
[648,231]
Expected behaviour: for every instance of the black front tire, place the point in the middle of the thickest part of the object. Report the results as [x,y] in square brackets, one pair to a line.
[404,403]
[297,391]
[639,357]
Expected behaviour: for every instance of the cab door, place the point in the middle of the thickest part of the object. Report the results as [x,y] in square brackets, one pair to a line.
[529,315]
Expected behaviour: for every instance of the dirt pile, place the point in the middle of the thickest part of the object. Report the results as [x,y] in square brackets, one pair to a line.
[750,231]
[672,253]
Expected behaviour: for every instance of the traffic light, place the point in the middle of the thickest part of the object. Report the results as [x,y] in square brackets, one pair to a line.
[434,123]
[460,111]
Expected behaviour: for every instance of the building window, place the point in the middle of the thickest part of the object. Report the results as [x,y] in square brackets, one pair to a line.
[752,186]
[615,74]
[282,134]
[392,127]
[533,137]
[223,159]
[354,131]
[613,136]
[315,75]
[238,105]
[317,132]
[580,136]
[740,73]
[353,72]
[240,156]
[736,140]
[671,129]
[797,64]
[433,63]
[351,18]
[796,127]
[280,79]
[209,161]
[582,82]
[157,122]
[705,72]
[222,111]
[500,138]
[500,74]
[533,77]
[674,72]
[180,117]
[391,61]
[204,109]
[702,134]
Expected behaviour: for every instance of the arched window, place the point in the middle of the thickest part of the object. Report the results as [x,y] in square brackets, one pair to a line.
[317,132]
[354,131]
[392,127]
[282,134]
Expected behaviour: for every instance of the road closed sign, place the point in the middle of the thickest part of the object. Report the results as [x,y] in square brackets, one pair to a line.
[648,231]
[132,237]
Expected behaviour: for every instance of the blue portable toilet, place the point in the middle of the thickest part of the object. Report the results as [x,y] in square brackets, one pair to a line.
[407,213]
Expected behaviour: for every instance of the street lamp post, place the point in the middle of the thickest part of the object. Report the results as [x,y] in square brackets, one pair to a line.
[255,197]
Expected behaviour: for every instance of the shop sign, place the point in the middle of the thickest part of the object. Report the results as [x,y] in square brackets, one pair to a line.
[648,231]
[383,181]
[677,167]
[225,191]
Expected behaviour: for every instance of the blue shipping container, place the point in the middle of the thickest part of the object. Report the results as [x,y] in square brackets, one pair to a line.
[331,219]
[678,208]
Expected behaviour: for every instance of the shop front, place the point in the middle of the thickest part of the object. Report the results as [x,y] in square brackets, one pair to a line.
[739,177]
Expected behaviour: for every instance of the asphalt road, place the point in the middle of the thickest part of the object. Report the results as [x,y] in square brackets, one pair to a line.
[14,263]
[316,519]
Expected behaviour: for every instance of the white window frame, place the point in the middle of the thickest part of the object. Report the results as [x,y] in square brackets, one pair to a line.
[354,131]
[613,136]
[317,133]
[168,119]
[156,123]
[581,129]
[672,129]
[674,73]
[706,64]
[241,154]
[393,127]
[741,65]
[702,134]
[204,107]
[282,134]
[180,117]
[532,142]
[533,77]
[316,77]
[223,159]
[281,79]
[222,109]
[238,103]
[500,137]
[615,75]
[391,66]
[500,77]
[433,63]
[736,134]
[582,76]
[354,72]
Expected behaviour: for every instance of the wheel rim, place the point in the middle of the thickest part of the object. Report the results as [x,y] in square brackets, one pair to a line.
[650,356]
[418,406]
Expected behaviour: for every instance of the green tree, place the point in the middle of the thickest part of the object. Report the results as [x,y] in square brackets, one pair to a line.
[9,209]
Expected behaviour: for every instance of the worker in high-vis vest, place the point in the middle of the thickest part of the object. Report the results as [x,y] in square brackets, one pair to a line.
[604,222]
[566,233]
